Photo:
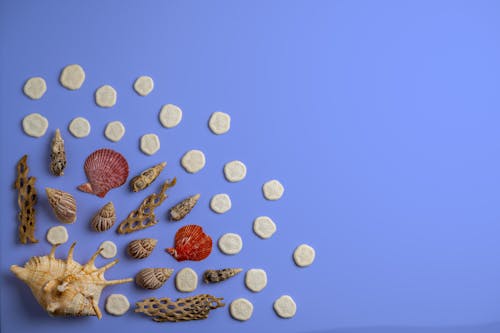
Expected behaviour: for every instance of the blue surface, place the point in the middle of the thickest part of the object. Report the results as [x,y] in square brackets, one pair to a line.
[394,177]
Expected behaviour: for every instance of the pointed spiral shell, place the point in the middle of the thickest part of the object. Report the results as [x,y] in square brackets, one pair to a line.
[105,218]
[63,205]
[214,276]
[141,248]
[153,278]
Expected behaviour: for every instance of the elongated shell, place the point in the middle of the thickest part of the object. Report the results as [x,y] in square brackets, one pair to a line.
[105,218]
[26,201]
[57,155]
[153,278]
[63,205]
[218,275]
[191,243]
[179,211]
[141,248]
[139,183]
[65,287]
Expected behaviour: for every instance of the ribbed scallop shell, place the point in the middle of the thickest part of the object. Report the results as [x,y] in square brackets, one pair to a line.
[105,218]
[141,248]
[105,170]
[219,275]
[63,205]
[153,278]
[191,243]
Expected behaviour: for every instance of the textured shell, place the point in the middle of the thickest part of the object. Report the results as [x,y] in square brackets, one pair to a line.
[105,218]
[191,243]
[65,287]
[218,275]
[57,155]
[26,201]
[141,248]
[179,211]
[105,170]
[139,183]
[63,205]
[153,278]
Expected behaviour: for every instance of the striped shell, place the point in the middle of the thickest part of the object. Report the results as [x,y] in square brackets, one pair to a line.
[63,205]
[105,218]
[153,278]
[219,275]
[191,243]
[141,248]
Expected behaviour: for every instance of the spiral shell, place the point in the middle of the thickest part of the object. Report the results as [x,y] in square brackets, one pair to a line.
[141,248]
[214,276]
[153,278]
[63,205]
[105,218]
[179,211]
[57,155]
[139,183]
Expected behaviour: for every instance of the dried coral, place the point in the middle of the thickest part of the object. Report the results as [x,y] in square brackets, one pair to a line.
[153,278]
[219,275]
[139,183]
[179,211]
[26,200]
[141,248]
[57,155]
[104,219]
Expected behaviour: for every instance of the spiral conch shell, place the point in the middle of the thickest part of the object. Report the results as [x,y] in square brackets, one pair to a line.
[63,204]
[153,278]
[141,248]
[65,287]
[105,218]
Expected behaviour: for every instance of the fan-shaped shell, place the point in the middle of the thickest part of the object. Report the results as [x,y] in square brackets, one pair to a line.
[105,170]
[191,243]
[153,278]
[105,218]
[63,205]
[141,248]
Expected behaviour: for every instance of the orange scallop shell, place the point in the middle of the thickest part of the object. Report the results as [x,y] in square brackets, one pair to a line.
[191,243]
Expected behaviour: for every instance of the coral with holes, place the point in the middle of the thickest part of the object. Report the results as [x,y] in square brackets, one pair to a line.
[26,200]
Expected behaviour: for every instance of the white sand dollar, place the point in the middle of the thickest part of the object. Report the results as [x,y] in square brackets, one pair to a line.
[285,307]
[79,127]
[114,131]
[241,309]
[57,235]
[193,161]
[72,77]
[219,122]
[105,96]
[109,249]
[117,304]
[304,255]
[170,115]
[143,85]
[273,190]
[35,125]
[235,171]
[256,279]
[230,243]
[186,280]
[35,87]
[220,203]
[150,143]
[264,227]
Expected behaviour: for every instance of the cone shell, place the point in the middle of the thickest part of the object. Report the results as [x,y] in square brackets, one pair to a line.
[153,278]
[105,218]
[191,243]
[179,211]
[105,170]
[57,155]
[139,183]
[63,205]
[141,248]
[219,275]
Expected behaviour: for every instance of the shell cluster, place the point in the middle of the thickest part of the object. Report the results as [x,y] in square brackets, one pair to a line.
[63,205]
[141,248]
[153,278]
[104,219]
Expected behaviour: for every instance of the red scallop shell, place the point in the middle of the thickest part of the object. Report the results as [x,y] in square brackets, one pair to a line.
[191,243]
[105,170]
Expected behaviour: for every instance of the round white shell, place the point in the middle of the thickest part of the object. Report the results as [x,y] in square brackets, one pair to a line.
[79,127]
[285,307]
[35,87]
[235,171]
[241,309]
[170,115]
[57,235]
[143,85]
[273,190]
[304,255]
[264,227]
[186,280]
[72,77]
[219,122]
[114,131]
[150,143]
[109,249]
[105,96]
[220,203]
[117,304]
[230,243]
[35,125]
[256,279]
[193,161]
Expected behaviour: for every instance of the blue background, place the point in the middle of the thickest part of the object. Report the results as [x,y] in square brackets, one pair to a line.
[381,119]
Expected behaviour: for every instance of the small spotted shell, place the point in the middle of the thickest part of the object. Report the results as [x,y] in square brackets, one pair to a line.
[105,218]
[63,204]
[214,276]
[153,278]
[141,248]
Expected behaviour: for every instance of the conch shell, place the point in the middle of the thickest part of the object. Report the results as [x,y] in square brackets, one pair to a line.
[64,287]
[141,248]
[63,204]
[219,275]
[57,155]
[179,211]
[153,278]
[105,218]
[139,183]
[26,200]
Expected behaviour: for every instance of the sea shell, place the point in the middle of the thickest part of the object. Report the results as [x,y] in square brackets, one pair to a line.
[65,287]
[153,278]
[105,170]
[26,201]
[179,211]
[63,205]
[183,309]
[57,155]
[141,248]
[139,183]
[191,243]
[219,275]
[105,218]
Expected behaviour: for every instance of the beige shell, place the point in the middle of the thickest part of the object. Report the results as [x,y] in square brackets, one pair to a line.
[218,275]
[105,218]
[179,211]
[63,204]
[65,287]
[57,155]
[139,183]
[153,278]
[141,248]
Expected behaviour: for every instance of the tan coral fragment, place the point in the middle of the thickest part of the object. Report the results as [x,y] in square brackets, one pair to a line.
[26,200]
